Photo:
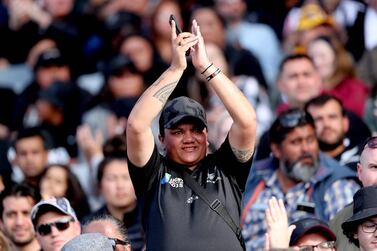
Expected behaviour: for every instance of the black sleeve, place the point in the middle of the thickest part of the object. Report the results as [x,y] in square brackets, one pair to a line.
[230,164]
[144,177]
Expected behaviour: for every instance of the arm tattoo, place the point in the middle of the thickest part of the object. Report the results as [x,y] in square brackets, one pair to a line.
[242,155]
[164,93]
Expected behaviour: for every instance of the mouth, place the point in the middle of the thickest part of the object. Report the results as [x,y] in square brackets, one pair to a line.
[189,148]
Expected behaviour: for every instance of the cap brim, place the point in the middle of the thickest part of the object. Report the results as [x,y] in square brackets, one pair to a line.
[322,230]
[180,118]
[360,216]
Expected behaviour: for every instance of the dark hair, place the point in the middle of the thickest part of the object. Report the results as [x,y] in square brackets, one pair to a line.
[292,57]
[118,224]
[349,233]
[287,121]
[33,132]
[18,190]
[322,99]
[103,164]
[115,147]
[75,193]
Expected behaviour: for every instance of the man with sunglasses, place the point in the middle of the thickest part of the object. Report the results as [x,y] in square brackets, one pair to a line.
[309,182]
[55,223]
[16,203]
[367,174]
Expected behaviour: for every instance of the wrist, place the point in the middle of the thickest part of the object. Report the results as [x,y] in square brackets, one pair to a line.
[204,66]
[176,69]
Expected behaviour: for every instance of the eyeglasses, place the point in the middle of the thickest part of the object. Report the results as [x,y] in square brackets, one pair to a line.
[292,118]
[115,241]
[369,227]
[61,225]
[371,142]
[327,245]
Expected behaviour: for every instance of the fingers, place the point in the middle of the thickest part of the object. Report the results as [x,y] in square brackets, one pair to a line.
[173,30]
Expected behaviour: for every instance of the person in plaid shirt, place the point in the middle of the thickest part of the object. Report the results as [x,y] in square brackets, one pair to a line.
[310,183]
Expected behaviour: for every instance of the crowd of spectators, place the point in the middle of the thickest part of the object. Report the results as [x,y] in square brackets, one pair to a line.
[71,72]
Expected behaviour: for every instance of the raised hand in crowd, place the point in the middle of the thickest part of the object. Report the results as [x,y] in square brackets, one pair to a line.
[278,232]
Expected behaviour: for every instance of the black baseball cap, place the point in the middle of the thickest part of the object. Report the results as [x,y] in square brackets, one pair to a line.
[179,109]
[310,225]
[118,64]
[50,57]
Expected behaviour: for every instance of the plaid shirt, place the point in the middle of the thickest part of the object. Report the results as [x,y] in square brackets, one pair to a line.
[336,197]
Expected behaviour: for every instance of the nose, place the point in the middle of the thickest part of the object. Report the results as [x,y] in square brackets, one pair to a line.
[188,137]
[305,146]
[20,219]
[54,231]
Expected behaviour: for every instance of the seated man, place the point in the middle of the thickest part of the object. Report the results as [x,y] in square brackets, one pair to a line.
[367,175]
[55,222]
[332,125]
[310,183]
[15,223]
[361,227]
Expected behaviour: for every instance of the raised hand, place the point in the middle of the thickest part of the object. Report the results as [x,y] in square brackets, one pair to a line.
[198,52]
[278,231]
[180,44]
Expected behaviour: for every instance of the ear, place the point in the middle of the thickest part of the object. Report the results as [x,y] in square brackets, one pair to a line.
[275,149]
[359,171]
[346,123]
[281,86]
[1,226]
[161,139]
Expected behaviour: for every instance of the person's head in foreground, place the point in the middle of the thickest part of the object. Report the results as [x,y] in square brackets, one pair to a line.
[366,168]
[55,223]
[360,228]
[110,227]
[183,131]
[312,234]
[93,242]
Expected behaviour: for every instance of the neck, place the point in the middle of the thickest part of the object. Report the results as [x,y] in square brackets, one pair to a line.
[336,151]
[118,212]
[32,246]
[285,182]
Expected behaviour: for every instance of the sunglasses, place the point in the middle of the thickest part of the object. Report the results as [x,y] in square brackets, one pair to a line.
[371,142]
[115,241]
[292,118]
[61,225]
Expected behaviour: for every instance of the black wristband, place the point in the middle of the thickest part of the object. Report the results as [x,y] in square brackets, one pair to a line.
[206,68]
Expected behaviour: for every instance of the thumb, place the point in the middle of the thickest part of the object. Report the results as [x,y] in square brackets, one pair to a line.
[290,230]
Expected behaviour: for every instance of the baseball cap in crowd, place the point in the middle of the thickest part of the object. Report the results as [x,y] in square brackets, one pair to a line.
[58,93]
[179,109]
[364,207]
[311,225]
[122,107]
[312,15]
[118,65]
[50,57]
[93,242]
[61,205]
